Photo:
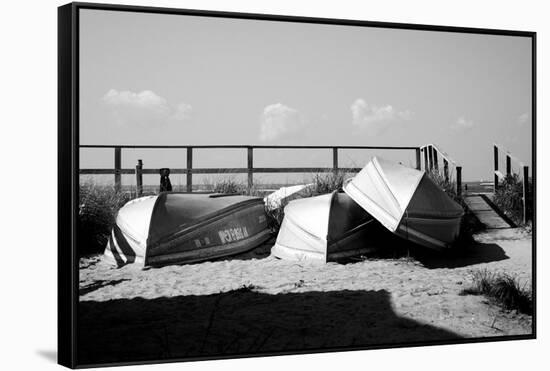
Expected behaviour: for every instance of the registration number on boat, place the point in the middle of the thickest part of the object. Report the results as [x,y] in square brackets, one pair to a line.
[233,234]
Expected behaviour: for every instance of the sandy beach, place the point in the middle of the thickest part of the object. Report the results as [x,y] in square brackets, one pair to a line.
[254,303]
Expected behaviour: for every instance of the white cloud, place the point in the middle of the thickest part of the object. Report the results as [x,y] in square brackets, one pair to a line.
[278,121]
[182,112]
[524,119]
[376,118]
[143,108]
[462,124]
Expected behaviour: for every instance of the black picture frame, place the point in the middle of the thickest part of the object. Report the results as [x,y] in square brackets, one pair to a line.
[68,177]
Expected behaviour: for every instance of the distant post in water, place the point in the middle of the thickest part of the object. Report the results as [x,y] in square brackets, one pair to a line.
[525,193]
[335,160]
[446,170]
[495,155]
[250,165]
[189,169]
[418,160]
[139,178]
[117,168]
[508,165]
[436,163]
[459,181]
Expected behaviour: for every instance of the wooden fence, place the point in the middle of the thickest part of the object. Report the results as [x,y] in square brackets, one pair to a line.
[431,154]
[524,173]
[250,170]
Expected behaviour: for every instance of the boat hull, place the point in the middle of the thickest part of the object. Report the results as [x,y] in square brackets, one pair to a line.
[179,231]
[229,234]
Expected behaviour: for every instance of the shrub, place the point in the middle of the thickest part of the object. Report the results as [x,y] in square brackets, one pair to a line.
[509,198]
[447,185]
[97,210]
[275,216]
[229,186]
[327,182]
[503,289]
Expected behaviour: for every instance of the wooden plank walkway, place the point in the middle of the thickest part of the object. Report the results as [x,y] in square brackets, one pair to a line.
[486,213]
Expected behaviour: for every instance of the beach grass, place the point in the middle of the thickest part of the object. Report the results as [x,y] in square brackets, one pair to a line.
[229,186]
[509,198]
[97,208]
[448,185]
[502,288]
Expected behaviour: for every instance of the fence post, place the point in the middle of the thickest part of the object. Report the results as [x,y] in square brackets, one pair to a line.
[250,165]
[436,162]
[495,156]
[459,181]
[189,169]
[165,184]
[335,160]
[426,164]
[139,178]
[508,165]
[431,157]
[418,165]
[117,168]
[525,192]
[446,170]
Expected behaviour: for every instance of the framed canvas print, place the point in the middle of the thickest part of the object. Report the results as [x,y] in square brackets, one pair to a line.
[237,185]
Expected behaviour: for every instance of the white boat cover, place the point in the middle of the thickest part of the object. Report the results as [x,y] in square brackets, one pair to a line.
[132,222]
[285,194]
[407,202]
[325,228]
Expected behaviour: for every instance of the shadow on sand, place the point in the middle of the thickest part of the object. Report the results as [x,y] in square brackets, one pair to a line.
[394,248]
[477,253]
[242,322]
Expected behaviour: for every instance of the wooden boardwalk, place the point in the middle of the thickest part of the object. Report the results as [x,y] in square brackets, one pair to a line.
[487,214]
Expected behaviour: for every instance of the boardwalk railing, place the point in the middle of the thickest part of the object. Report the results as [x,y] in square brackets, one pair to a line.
[250,170]
[431,154]
[498,175]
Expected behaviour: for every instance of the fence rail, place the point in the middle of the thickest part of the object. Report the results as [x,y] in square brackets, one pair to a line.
[250,170]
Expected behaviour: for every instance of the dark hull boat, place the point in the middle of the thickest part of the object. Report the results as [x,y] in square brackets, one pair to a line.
[177,228]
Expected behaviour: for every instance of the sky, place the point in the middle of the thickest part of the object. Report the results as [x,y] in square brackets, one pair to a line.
[172,79]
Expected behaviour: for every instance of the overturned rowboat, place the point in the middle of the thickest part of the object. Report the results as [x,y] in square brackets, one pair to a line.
[327,228]
[177,228]
[407,202]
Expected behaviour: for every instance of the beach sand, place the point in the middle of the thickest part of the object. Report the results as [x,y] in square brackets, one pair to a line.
[255,303]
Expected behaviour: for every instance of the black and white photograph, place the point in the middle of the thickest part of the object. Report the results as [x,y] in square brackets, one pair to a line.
[250,185]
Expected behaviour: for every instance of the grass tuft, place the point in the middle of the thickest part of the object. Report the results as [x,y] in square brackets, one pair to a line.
[503,289]
[509,198]
[229,186]
[327,182]
[447,185]
[97,210]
